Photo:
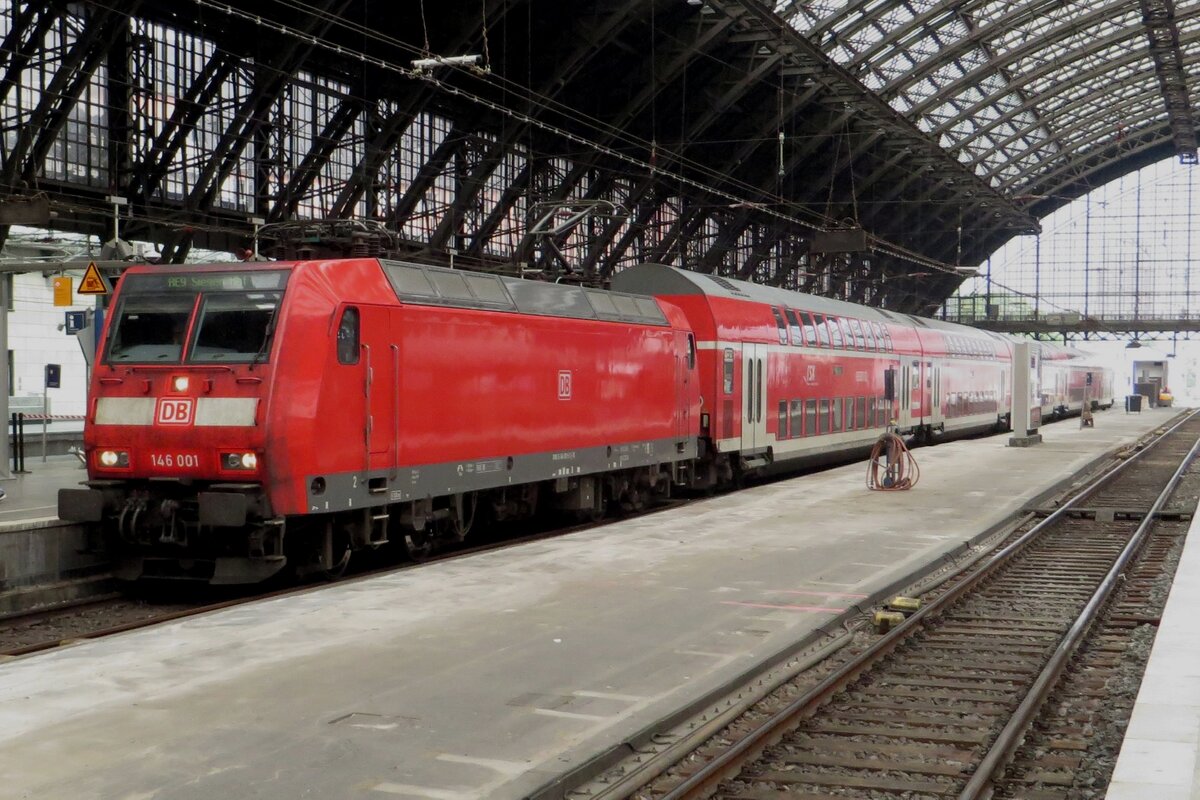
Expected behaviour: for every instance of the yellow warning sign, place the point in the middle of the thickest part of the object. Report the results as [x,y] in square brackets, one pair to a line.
[93,282]
[62,291]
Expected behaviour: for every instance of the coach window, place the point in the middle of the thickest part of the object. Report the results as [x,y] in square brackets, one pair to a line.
[783,420]
[847,335]
[794,327]
[810,329]
[728,382]
[860,341]
[348,337]
[797,418]
[779,323]
[810,417]
[866,327]
[823,417]
[822,330]
[835,332]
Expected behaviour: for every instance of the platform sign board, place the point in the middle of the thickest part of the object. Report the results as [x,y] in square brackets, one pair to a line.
[93,282]
[62,291]
[75,320]
[53,376]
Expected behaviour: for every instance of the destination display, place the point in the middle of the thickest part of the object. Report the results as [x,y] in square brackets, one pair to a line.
[257,280]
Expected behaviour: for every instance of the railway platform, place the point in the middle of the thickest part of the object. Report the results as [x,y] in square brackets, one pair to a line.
[1160,756]
[492,675]
[42,558]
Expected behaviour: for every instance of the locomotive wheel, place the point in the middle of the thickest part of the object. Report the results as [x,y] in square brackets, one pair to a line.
[418,545]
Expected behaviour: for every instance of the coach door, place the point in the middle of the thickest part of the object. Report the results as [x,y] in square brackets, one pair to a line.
[754,386]
[908,403]
[934,400]
[381,366]
[917,406]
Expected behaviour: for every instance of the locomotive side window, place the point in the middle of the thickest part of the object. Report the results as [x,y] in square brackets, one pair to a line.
[348,337]
[728,372]
[691,351]
[151,329]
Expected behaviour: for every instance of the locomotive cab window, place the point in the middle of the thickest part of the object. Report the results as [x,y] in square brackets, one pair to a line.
[234,322]
[348,337]
[235,326]
[151,329]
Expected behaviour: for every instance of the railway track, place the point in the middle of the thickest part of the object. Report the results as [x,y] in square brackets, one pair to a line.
[1001,683]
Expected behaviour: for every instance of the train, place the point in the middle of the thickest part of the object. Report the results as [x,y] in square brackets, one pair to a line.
[254,419]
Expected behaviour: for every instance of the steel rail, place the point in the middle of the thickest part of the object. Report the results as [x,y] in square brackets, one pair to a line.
[1010,737]
[727,765]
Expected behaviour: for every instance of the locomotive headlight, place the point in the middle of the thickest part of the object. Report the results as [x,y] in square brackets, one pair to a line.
[114,458]
[239,460]
[180,383]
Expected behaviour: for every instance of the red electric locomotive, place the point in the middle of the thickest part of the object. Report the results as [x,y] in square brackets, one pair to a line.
[243,417]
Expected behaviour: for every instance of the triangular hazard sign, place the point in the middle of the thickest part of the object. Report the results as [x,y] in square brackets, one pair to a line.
[93,282]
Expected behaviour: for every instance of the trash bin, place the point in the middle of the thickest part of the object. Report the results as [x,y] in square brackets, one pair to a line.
[1133,403]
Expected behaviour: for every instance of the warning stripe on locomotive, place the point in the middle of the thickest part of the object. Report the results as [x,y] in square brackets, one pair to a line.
[212,412]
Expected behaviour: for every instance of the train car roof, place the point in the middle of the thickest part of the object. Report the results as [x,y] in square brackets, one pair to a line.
[458,288]
[660,279]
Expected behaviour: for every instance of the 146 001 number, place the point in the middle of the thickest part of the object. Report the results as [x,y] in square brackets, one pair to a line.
[175,459]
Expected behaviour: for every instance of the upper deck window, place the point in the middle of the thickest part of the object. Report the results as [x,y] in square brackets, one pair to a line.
[234,320]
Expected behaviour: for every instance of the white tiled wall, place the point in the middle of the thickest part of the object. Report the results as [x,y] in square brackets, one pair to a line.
[35,340]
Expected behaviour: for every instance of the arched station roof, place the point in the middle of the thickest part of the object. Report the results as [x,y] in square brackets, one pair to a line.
[726,136]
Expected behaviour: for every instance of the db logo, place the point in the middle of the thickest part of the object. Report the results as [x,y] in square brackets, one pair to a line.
[564,384]
[174,411]
[810,374]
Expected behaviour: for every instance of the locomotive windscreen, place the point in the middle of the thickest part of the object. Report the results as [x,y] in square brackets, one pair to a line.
[234,317]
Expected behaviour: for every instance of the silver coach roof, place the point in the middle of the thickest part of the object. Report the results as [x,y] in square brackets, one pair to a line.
[660,279]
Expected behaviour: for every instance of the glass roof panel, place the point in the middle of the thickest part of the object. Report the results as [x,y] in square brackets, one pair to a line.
[1020,81]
